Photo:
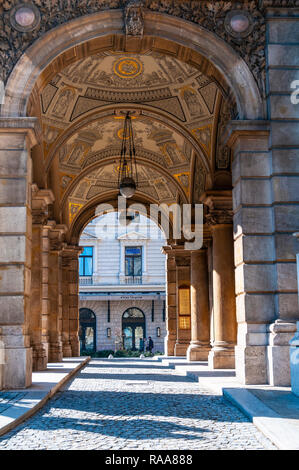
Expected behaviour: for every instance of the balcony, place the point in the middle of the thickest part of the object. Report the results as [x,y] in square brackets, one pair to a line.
[85,281]
[131,280]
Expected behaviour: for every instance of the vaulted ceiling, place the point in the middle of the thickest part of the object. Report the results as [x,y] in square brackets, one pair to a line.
[177,117]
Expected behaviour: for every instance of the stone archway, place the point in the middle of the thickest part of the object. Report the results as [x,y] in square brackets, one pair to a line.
[104,31]
[49,55]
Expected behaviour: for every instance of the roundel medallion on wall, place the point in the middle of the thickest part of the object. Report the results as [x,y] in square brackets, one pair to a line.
[238,23]
[127,67]
[25,17]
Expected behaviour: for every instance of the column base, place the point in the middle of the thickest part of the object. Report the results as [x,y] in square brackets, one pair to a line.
[17,370]
[251,365]
[180,349]
[221,358]
[39,358]
[67,349]
[198,352]
[169,344]
[55,352]
[75,345]
[278,353]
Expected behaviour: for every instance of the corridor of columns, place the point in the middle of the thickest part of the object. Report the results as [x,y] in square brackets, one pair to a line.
[202,137]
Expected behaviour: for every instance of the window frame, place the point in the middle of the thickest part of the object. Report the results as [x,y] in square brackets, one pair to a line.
[134,256]
[81,256]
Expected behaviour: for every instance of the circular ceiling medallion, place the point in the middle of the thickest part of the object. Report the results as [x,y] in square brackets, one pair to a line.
[25,17]
[127,68]
[120,134]
[238,23]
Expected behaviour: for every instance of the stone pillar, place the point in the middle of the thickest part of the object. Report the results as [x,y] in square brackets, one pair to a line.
[74,300]
[45,313]
[55,292]
[254,246]
[171,320]
[66,344]
[40,201]
[282,58]
[182,261]
[17,137]
[222,355]
[199,347]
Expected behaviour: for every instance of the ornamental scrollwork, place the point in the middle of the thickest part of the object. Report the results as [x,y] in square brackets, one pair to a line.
[218,216]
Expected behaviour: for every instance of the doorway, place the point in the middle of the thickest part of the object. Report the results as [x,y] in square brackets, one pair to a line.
[133,328]
[87,330]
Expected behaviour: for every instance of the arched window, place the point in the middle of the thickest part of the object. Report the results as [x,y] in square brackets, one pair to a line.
[133,327]
[87,331]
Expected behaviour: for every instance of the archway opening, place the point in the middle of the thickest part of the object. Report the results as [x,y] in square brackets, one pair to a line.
[122,278]
[133,329]
[87,331]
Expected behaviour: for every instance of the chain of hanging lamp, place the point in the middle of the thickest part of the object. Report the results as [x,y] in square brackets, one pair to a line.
[127,176]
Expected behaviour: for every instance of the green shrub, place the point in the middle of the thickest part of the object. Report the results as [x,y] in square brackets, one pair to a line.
[101,353]
[119,353]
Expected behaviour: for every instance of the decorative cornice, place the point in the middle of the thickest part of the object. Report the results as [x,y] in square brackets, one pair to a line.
[235,129]
[29,126]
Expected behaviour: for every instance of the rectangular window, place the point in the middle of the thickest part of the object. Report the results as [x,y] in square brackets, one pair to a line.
[86,261]
[133,261]
[184,308]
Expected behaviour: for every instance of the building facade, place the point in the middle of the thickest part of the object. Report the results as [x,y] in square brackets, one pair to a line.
[212,87]
[122,282]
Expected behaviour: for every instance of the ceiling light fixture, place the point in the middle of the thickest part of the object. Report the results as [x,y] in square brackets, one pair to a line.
[127,176]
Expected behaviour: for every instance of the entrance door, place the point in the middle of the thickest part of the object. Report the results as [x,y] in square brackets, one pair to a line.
[87,332]
[133,327]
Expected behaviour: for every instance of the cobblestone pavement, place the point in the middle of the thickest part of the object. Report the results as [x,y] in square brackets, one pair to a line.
[135,404]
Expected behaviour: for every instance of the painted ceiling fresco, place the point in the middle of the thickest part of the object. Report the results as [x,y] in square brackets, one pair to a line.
[175,110]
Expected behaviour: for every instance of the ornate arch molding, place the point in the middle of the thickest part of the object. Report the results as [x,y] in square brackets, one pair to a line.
[167,33]
[145,112]
[87,213]
[107,161]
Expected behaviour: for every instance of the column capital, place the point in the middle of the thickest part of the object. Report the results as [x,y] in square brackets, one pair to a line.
[56,236]
[71,251]
[237,129]
[41,199]
[219,203]
[29,126]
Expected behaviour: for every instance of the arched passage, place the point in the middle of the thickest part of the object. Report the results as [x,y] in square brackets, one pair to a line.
[55,242]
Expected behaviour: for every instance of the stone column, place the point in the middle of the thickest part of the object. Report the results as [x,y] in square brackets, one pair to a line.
[199,347]
[282,61]
[17,137]
[222,355]
[40,201]
[182,261]
[55,293]
[254,246]
[74,299]
[171,320]
[66,344]
[45,313]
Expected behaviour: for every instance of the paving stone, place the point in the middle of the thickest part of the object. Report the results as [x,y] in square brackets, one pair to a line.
[100,409]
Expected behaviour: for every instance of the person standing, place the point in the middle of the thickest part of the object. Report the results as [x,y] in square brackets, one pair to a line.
[150,344]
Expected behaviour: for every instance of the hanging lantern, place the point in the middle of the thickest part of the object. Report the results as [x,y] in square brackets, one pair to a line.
[127,177]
